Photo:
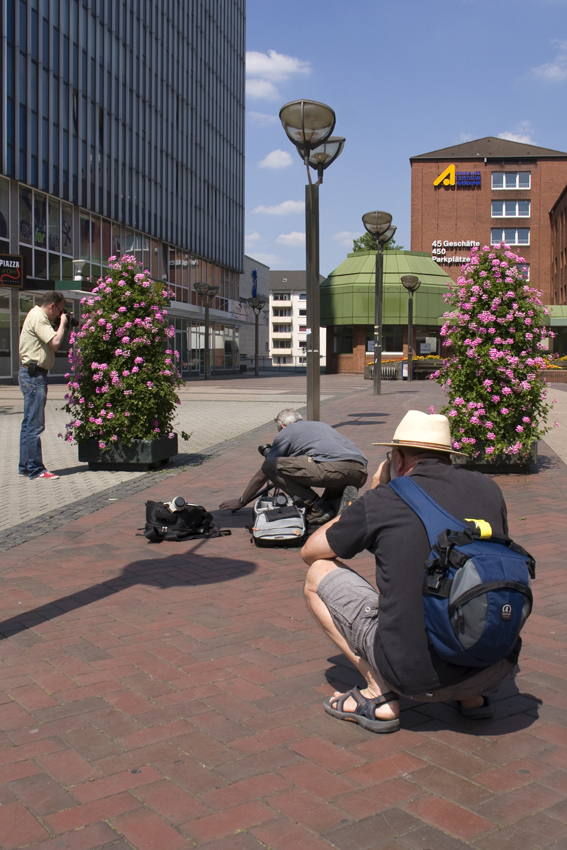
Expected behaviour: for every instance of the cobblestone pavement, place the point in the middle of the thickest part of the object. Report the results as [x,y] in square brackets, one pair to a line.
[170,696]
[214,413]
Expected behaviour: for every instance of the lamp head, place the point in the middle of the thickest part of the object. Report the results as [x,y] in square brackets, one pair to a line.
[307,124]
[323,155]
[411,282]
[78,266]
[384,238]
[377,222]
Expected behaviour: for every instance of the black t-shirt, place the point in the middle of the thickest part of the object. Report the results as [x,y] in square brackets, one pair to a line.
[383,524]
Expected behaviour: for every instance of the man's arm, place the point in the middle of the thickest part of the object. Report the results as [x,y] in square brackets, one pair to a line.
[317,547]
[56,341]
[256,483]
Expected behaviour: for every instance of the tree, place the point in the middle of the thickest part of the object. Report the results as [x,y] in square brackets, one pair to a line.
[494,335]
[366,243]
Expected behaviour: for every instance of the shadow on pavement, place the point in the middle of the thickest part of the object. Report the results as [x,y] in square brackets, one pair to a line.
[514,710]
[173,571]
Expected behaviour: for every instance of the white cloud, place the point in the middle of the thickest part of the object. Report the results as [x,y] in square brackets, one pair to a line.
[274,66]
[276,159]
[293,239]
[266,259]
[556,70]
[251,239]
[465,137]
[521,133]
[263,119]
[285,208]
[346,237]
[264,70]
[261,90]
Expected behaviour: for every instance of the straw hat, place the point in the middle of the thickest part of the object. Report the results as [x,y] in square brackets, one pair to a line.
[423,431]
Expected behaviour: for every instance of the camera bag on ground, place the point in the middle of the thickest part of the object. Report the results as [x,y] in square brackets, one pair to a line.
[277,521]
[187,523]
[476,591]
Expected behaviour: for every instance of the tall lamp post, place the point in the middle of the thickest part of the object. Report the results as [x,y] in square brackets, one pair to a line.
[257,305]
[207,293]
[308,125]
[379,225]
[412,284]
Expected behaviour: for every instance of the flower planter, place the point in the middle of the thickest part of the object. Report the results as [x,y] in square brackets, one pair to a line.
[141,455]
[507,464]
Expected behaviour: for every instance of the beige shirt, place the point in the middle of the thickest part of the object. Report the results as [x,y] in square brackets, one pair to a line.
[35,337]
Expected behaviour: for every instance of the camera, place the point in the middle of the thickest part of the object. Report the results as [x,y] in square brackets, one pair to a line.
[71,321]
[265,449]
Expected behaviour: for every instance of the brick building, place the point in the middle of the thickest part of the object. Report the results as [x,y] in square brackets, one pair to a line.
[484,192]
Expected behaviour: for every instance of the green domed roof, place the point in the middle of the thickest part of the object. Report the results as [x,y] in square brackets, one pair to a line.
[347,295]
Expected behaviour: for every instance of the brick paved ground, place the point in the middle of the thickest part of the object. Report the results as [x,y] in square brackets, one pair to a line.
[170,696]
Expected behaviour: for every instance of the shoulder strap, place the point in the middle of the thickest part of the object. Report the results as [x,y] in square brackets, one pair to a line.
[435,519]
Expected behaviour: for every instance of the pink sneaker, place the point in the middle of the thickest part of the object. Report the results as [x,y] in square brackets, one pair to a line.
[47,474]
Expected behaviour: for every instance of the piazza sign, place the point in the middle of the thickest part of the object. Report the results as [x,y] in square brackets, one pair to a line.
[11,268]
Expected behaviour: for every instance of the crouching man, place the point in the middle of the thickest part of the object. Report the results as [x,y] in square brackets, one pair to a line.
[383,634]
[307,455]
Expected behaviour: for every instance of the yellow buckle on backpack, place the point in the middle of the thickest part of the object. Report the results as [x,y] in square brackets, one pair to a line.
[483,526]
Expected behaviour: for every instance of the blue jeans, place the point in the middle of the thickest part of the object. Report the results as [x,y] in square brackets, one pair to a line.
[34,389]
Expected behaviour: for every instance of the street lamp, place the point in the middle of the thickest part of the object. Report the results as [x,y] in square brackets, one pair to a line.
[412,284]
[257,305]
[379,225]
[308,125]
[207,293]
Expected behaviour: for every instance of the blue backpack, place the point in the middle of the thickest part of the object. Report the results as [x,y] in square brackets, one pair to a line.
[476,590]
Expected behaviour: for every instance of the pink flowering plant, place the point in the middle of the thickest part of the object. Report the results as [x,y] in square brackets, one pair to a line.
[494,339]
[123,378]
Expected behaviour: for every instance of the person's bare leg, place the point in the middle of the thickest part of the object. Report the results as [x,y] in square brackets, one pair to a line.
[374,684]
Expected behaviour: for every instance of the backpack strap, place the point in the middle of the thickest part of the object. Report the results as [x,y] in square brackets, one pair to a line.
[435,519]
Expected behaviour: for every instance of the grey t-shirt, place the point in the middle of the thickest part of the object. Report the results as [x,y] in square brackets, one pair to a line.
[314,439]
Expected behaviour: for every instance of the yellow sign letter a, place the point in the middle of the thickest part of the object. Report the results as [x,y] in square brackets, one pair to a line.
[447,177]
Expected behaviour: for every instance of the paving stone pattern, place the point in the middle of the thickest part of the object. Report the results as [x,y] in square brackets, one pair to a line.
[170,696]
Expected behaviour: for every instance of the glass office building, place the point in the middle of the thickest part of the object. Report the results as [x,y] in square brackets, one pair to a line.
[122,131]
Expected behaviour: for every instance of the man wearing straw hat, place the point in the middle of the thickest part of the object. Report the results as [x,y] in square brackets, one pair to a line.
[383,634]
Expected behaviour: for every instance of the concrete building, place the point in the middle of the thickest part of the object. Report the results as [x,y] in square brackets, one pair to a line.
[122,131]
[288,319]
[485,192]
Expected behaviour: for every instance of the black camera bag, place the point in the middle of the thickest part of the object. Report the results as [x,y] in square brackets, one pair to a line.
[193,521]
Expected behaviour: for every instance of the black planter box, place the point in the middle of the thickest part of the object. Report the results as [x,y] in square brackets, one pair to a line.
[141,455]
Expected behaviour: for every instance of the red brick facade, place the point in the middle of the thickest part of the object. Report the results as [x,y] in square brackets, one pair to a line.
[460,214]
[558,217]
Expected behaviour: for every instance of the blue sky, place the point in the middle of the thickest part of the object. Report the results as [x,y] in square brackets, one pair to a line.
[404,77]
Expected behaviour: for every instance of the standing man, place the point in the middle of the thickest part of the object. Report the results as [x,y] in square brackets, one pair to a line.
[38,343]
[383,634]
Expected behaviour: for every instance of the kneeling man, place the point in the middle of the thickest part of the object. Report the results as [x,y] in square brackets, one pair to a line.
[383,634]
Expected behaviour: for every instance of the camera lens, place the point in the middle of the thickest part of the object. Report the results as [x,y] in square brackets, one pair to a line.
[264,449]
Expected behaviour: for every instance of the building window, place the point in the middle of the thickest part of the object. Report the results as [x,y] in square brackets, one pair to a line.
[281,312]
[524,269]
[511,236]
[303,312]
[511,180]
[281,296]
[282,329]
[302,296]
[281,343]
[302,329]
[342,339]
[510,209]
